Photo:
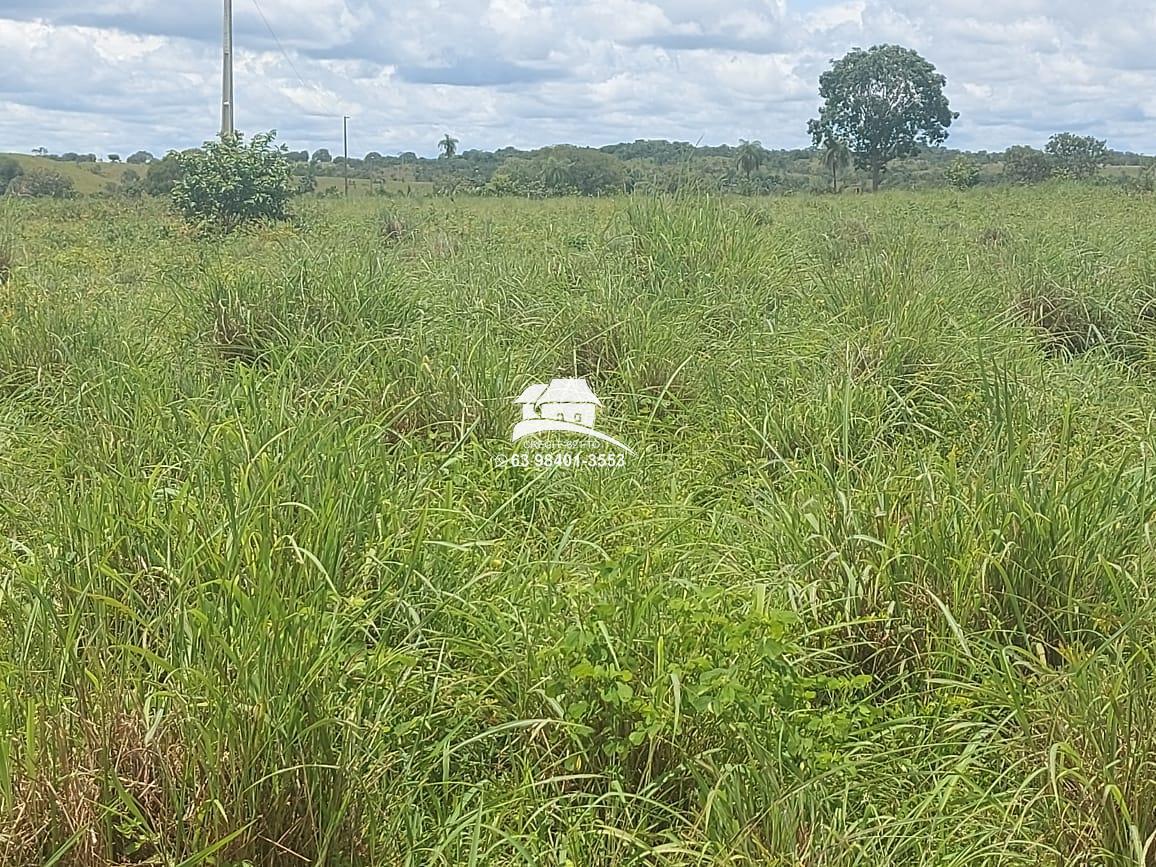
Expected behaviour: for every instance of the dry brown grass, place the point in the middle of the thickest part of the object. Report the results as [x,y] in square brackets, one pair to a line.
[95,791]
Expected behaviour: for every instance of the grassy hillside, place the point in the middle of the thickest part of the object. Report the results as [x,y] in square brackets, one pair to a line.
[875,589]
[86,177]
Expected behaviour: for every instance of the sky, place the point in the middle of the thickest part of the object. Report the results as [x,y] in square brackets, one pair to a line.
[115,76]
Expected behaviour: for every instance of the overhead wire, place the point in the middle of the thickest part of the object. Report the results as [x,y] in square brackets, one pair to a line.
[284,53]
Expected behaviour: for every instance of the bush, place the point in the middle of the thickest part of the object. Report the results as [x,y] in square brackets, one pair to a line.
[962,174]
[1145,182]
[9,171]
[41,184]
[1026,165]
[228,183]
[162,176]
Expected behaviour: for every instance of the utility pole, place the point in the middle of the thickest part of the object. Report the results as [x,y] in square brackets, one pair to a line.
[227,128]
[345,165]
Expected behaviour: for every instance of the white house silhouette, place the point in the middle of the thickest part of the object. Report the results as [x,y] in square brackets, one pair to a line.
[569,400]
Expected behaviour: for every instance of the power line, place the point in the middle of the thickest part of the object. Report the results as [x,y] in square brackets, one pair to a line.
[284,53]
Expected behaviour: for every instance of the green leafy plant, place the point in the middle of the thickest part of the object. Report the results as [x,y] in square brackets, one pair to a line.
[227,183]
[962,174]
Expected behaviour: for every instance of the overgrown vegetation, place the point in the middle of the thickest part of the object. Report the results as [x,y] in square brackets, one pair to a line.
[877,588]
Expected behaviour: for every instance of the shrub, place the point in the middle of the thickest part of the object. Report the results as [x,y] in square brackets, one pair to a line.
[9,170]
[1026,165]
[1145,182]
[228,183]
[962,174]
[162,176]
[41,183]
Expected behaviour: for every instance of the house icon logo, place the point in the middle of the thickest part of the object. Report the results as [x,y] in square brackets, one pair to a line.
[566,405]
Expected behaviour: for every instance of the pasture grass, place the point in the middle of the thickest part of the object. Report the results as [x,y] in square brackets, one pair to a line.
[877,588]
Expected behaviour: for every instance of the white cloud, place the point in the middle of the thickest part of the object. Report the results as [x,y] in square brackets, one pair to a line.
[120,75]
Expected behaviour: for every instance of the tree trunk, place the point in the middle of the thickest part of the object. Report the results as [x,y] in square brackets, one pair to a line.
[834,180]
[876,175]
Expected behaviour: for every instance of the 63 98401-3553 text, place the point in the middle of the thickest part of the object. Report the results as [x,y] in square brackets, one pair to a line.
[570,460]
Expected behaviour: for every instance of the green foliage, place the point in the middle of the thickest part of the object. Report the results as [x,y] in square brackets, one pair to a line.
[9,170]
[1026,165]
[750,157]
[448,146]
[162,175]
[41,183]
[228,183]
[878,587]
[962,174]
[836,158]
[306,178]
[560,171]
[1076,157]
[1145,182]
[883,102]
[140,158]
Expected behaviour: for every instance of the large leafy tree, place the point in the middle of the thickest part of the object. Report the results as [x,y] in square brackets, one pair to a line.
[750,157]
[884,102]
[836,158]
[1076,156]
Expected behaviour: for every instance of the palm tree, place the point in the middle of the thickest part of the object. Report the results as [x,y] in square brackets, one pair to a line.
[836,158]
[448,146]
[750,156]
[554,174]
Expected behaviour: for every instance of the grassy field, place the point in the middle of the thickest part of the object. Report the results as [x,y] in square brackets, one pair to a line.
[876,589]
[90,178]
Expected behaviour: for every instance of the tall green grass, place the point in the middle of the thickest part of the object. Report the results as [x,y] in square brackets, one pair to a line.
[875,590]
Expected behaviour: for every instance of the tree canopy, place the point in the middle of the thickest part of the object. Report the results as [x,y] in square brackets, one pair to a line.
[1026,165]
[1075,156]
[883,102]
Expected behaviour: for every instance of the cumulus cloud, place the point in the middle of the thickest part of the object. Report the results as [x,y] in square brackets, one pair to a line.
[115,75]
